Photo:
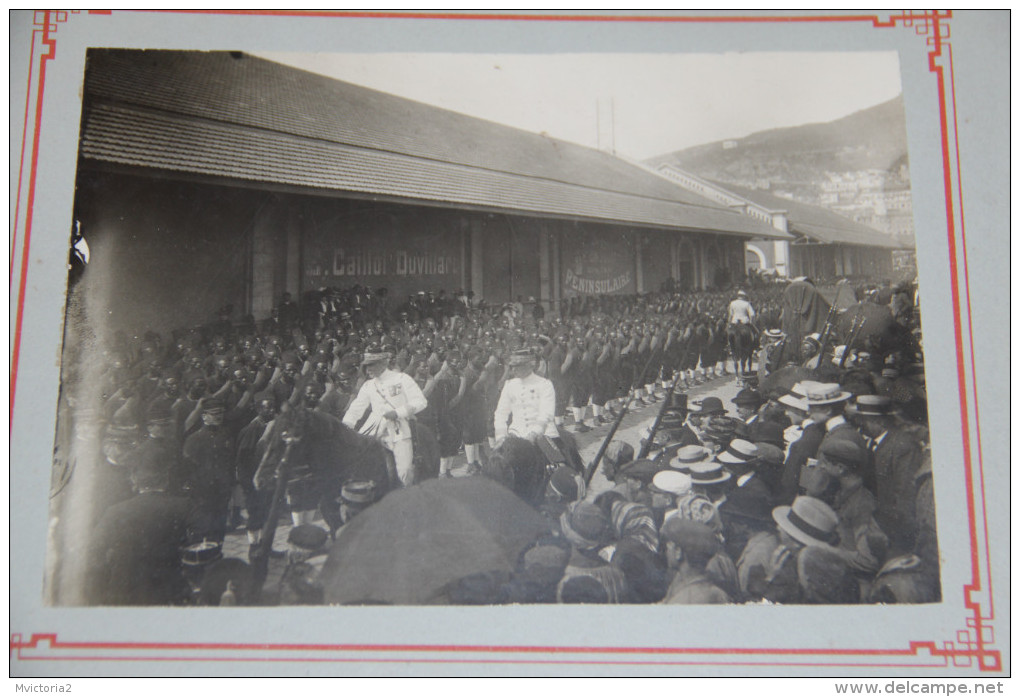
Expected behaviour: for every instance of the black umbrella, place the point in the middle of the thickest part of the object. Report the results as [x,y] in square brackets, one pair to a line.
[410,548]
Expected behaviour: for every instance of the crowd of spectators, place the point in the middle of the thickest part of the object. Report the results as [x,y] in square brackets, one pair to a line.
[183,416]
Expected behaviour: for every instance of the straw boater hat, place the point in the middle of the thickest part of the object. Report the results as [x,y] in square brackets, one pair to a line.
[809,520]
[738,452]
[671,482]
[774,333]
[689,455]
[796,397]
[705,473]
[872,405]
[826,393]
[376,357]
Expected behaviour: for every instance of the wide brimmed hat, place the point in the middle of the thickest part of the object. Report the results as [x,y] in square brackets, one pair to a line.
[688,455]
[809,520]
[797,396]
[872,405]
[705,473]
[671,482]
[376,357]
[738,452]
[820,394]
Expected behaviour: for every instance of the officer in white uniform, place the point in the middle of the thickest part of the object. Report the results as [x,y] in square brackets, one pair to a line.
[394,398]
[741,311]
[527,404]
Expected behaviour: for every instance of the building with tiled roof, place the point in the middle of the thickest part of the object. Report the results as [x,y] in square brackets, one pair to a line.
[824,243]
[215,178]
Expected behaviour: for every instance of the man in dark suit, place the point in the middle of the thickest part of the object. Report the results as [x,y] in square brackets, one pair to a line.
[801,449]
[895,458]
[135,549]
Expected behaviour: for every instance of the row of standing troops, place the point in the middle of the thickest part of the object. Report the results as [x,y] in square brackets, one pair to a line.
[206,406]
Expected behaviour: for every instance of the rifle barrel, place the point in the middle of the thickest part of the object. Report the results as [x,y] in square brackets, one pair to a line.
[590,470]
[646,448]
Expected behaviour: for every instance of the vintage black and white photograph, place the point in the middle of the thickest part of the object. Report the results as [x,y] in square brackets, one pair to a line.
[469,329]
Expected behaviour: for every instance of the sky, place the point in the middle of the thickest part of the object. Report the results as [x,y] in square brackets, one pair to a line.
[658,102]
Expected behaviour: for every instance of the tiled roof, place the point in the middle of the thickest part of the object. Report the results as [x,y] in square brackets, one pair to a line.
[818,223]
[245,118]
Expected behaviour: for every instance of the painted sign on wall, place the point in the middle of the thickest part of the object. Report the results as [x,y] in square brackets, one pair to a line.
[597,263]
[391,253]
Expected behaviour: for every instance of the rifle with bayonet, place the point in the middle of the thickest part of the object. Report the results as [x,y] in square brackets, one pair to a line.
[826,335]
[647,446]
[589,471]
[855,329]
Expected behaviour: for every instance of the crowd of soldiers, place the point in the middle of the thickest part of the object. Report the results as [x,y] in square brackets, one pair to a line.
[818,494]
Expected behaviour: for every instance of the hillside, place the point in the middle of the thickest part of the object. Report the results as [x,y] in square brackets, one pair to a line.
[797,159]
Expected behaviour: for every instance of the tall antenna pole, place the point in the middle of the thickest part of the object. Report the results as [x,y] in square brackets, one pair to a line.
[612,123]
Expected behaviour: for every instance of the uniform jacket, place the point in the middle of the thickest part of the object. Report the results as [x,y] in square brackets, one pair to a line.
[528,405]
[390,391]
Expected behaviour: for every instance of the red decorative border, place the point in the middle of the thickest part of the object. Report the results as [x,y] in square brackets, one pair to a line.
[975,642]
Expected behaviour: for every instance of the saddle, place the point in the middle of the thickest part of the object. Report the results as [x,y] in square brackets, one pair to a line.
[552,452]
